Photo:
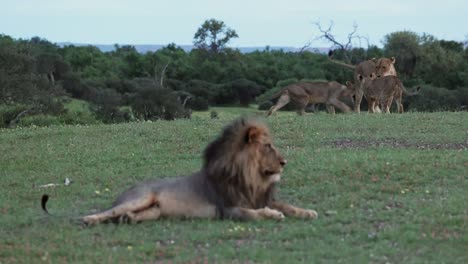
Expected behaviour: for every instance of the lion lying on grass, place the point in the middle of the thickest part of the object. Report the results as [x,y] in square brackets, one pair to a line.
[237,181]
[304,93]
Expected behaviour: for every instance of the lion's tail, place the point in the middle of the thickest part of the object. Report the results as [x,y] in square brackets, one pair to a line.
[349,66]
[278,94]
[406,92]
[45,199]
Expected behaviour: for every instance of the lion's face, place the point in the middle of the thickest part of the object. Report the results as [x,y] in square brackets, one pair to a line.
[349,92]
[385,67]
[269,161]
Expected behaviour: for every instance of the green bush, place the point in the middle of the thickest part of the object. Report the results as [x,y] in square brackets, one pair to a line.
[198,104]
[78,118]
[9,112]
[433,99]
[462,94]
[265,105]
[154,104]
[40,120]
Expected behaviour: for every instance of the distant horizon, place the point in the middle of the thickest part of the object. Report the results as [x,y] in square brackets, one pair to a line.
[258,23]
[143,48]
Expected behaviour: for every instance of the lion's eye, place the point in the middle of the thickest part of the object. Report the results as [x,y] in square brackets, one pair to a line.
[268,145]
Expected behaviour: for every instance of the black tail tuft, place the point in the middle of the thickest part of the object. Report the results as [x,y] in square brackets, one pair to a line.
[330,53]
[44,200]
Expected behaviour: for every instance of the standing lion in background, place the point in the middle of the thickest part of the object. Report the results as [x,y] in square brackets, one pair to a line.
[237,181]
[381,67]
[382,91]
[304,93]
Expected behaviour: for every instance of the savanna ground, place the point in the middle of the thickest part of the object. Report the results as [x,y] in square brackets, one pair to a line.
[388,189]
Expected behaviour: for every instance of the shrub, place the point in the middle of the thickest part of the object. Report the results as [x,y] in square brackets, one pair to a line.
[40,120]
[432,98]
[9,112]
[266,105]
[198,104]
[159,103]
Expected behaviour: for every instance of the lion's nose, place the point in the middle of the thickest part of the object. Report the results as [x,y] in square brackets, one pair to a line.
[283,162]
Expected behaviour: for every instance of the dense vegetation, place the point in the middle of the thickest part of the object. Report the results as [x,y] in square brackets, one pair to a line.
[38,78]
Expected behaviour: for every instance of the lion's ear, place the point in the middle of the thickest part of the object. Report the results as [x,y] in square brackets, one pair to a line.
[253,134]
[393,60]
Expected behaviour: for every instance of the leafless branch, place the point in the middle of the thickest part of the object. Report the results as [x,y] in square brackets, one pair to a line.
[161,77]
[326,33]
[305,47]
[162,74]
[18,117]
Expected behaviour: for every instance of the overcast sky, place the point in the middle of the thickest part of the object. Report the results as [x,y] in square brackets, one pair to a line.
[257,22]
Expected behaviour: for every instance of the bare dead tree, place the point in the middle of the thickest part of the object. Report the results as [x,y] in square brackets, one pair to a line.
[161,76]
[326,34]
[305,47]
[163,72]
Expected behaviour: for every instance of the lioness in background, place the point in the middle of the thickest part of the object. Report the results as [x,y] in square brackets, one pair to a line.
[381,67]
[382,91]
[304,93]
[385,67]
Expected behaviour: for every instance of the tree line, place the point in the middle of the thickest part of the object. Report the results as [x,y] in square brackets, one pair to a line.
[38,78]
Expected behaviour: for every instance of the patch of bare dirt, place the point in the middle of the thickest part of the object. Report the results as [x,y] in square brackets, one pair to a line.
[397,143]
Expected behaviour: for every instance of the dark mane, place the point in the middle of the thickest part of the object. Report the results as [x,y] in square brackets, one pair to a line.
[232,169]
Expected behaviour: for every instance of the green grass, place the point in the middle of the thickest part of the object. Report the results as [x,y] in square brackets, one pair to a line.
[402,201]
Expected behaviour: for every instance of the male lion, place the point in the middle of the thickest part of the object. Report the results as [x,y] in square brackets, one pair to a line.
[383,90]
[382,66]
[237,181]
[304,93]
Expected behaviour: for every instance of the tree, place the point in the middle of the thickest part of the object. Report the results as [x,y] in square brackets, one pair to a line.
[342,47]
[52,65]
[213,36]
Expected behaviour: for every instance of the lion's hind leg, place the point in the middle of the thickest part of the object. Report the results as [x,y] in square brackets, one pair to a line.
[282,101]
[150,213]
[399,105]
[133,209]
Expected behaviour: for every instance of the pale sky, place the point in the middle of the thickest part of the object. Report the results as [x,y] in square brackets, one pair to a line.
[257,22]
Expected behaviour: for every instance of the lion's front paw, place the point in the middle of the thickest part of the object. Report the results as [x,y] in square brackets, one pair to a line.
[91,219]
[312,214]
[272,213]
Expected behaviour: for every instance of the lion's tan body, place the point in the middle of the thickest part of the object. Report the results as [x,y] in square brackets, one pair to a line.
[382,91]
[381,67]
[237,181]
[304,93]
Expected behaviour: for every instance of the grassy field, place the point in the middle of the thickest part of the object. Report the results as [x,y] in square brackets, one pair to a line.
[388,189]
